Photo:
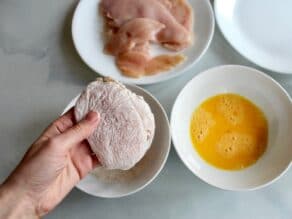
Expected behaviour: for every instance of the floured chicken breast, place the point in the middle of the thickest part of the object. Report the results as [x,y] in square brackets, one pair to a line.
[132,25]
[127,125]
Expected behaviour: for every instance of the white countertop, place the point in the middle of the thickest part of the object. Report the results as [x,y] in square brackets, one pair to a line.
[40,72]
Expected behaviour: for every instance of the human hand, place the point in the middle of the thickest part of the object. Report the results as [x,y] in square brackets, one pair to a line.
[54,163]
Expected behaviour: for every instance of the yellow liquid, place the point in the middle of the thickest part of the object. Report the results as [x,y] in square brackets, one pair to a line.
[229,131]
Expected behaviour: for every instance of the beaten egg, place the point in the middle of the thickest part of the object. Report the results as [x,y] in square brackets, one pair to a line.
[229,131]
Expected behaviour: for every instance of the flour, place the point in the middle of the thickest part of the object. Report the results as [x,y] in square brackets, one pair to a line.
[122,176]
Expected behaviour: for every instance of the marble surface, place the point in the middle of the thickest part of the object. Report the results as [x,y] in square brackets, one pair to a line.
[40,72]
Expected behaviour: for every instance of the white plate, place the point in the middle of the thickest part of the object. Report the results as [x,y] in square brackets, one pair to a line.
[260,30]
[262,90]
[135,179]
[87,29]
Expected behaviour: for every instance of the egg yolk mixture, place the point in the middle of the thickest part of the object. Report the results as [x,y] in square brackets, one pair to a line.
[229,131]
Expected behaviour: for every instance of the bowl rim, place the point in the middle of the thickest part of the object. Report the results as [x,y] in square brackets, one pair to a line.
[229,188]
[158,171]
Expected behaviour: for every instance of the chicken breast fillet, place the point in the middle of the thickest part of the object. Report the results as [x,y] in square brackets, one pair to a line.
[127,125]
[130,45]
[181,10]
[134,35]
[174,36]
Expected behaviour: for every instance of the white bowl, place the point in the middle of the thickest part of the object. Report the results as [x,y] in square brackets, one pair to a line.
[117,183]
[87,33]
[262,90]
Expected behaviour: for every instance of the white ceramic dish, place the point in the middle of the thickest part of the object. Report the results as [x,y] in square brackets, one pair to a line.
[116,183]
[87,29]
[259,30]
[262,90]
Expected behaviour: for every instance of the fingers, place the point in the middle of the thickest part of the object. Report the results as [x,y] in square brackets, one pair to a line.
[83,159]
[60,125]
[78,132]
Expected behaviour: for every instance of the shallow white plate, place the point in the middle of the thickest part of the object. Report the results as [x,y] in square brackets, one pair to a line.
[87,29]
[262,90]
[117,183]
[258,29]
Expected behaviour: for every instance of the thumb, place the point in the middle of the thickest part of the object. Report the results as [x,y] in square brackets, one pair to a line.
[80,131]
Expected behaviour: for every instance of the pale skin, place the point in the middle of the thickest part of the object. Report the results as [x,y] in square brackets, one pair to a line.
[51,167]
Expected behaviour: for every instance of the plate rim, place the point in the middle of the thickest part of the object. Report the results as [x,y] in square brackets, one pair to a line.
[141,82]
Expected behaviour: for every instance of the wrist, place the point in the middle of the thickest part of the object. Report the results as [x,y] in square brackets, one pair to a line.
[15,202]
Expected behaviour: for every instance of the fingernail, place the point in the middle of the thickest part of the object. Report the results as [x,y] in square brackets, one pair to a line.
[92,117]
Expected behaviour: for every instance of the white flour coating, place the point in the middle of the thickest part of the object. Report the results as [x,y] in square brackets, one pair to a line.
[126,128]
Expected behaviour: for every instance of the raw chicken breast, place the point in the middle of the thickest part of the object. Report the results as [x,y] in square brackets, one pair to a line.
[131,46]
[127,125]
[174,36]
[181,10]
[134,35]
[137,64]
